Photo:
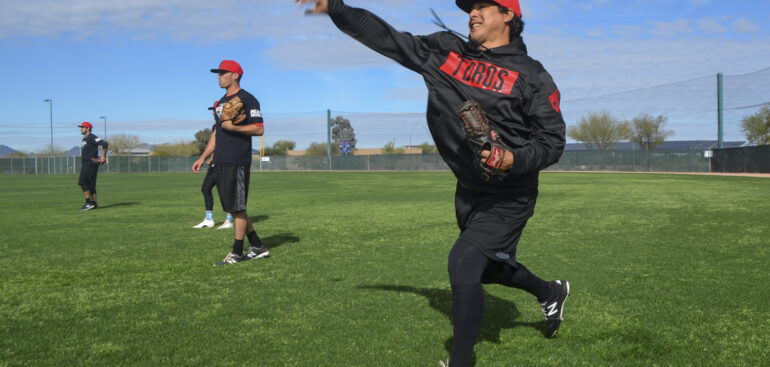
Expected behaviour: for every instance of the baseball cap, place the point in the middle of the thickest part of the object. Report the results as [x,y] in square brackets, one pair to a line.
[229,65]
[467,5]
[86,124]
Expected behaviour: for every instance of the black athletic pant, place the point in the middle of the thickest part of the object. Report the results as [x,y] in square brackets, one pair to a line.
[206,187]
[469,268]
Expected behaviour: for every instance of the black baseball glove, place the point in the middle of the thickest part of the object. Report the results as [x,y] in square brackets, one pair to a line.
[481,137]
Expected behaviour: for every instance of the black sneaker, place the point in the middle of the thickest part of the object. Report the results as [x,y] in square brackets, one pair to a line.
[94,204]
[553,308]
[257,252]
[231,258]
[88,206]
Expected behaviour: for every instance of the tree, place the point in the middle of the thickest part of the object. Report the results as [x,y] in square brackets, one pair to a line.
[280,147]
[343,131]
[390,148]
[317,149]
[756,127]
[599,130]
[57,151]
[648,131]
[180,149]
[121,144]
[202,139]
[428,148]
[16,154]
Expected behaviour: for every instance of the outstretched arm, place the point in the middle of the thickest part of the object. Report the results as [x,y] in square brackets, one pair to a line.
[321,6]
[367,28]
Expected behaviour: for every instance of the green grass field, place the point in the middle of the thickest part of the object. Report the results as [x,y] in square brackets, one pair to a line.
[667,270]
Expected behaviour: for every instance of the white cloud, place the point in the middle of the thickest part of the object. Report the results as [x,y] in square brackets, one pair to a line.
[745,26]
[177,19]
[590,5]
[709,25]
[668,29]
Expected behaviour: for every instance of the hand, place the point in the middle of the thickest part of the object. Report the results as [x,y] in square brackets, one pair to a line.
[321,6]
[507,159]
[196,167]
[208,161]
[102,160]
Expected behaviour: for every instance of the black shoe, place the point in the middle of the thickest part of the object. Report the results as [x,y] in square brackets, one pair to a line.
[231,258]
[257,252]
[554,306]
[88,206]
[94,204]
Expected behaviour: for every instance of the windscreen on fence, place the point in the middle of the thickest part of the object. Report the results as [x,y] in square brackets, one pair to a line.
[632,161]
[742,160]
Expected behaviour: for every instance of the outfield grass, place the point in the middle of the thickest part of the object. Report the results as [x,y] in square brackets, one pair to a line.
[665,270]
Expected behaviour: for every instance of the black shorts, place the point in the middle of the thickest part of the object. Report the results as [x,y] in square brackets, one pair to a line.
[493,222]
[87,179]
[233,187]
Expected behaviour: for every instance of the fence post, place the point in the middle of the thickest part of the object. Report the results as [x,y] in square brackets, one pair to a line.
[720,112]
[329,137]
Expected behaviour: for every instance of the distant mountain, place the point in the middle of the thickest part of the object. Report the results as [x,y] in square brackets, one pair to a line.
[5,150]
[74,152]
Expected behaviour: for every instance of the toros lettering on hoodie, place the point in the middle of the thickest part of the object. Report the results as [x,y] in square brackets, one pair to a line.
[480,74]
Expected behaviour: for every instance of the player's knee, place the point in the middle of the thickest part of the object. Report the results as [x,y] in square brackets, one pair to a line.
[466,264]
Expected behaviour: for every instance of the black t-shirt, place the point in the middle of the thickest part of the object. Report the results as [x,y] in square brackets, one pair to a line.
[90,147]
[232,148]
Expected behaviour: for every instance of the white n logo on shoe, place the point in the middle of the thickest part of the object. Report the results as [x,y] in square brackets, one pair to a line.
[551,309]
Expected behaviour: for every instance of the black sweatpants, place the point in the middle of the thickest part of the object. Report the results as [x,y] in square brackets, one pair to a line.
[485,253]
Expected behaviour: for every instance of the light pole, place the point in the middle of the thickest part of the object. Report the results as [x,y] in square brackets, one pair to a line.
[105,126]
[50,105]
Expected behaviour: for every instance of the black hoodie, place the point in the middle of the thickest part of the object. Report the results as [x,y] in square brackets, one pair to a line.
[517,94]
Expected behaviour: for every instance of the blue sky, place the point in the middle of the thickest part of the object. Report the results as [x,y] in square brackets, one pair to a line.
[145,64]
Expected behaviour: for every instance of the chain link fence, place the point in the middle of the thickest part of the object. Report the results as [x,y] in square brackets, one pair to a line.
[632,161]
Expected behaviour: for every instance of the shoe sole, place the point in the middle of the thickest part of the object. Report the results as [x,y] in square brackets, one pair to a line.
[260,256]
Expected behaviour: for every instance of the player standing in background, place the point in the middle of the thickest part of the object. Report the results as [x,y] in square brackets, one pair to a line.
[238,118]
[208,185]
[89,151]
[521,102]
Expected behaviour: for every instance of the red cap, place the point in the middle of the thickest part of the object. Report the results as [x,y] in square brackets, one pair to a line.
[229,65]
[467,5]
[86,124]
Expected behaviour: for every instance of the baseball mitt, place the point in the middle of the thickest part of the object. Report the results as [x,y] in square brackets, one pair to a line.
[481,137]
[233,111]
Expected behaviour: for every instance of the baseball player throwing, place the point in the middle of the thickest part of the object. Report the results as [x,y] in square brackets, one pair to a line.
[494,115]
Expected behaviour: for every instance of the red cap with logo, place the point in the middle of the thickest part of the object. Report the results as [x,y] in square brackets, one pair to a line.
[467,5]
[229,65]
[86,124]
